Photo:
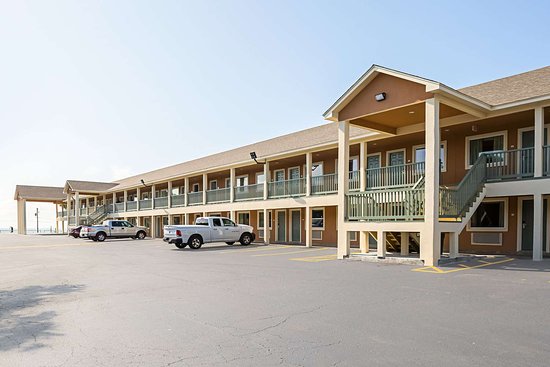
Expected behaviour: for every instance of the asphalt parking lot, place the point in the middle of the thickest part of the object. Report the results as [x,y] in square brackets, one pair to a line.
[67,302]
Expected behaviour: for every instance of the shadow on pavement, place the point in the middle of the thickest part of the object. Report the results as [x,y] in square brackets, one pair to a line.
[21,324]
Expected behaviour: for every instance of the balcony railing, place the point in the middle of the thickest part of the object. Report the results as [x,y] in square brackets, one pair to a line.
[194,198]
[83,211]
[131,206]
[145,204]
[161,202]
[286,188]
[218,195]
[324,184]
[510,164]
[249,192]
[395,176]
[546,160]
[354,181]
[391,204]
[178,200]
[119,207]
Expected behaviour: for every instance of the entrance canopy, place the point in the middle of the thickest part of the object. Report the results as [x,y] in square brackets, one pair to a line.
[43,194]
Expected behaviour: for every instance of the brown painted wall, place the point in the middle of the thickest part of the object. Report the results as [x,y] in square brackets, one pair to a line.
[398,91]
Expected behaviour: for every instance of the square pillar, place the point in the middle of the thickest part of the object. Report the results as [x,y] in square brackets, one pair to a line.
[538,229]
[138,194]
[381,244]
[232,215]
[153,228]
[186,218]
[232,185]
[69,207]
[153,196]
[266,180]
[453,245]
[343,188]
[267,232]
[308,227]
[77,208]
[363,166]
[204,187]
[169,198]
[364,242]
[431,239]
[309,167]
[185,191]
[539,140]
[404,243]
[21,216]
[125,200]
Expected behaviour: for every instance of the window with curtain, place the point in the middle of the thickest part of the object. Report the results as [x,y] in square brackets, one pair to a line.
[486,144]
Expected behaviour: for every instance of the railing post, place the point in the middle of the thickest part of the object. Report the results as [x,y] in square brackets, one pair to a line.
[539,140]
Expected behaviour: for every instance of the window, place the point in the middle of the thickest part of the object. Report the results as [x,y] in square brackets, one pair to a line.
[475,145]
[213,185]
[318,219]
[127,224]
[144,196]
[260,178]
[261,219]
[242,181]
[490,215]
[352,236]
[201,222]
[228,222]
[293,173]
[317,169]
[217,222]
[395,158]
[196,187]
[419,153]
[227,182]
[116,223]
[244,218]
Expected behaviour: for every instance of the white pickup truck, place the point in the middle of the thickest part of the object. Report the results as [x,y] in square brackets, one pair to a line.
[209,229]
[113,229]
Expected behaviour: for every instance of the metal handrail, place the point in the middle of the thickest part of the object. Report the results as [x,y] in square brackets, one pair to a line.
[249,192]
[218,195]
[286,188]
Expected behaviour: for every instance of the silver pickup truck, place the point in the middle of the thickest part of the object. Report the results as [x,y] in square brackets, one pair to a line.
[209,229]
[113,229]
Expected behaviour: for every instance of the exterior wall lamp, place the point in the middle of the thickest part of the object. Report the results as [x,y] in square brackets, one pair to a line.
[380,97]
[255,157]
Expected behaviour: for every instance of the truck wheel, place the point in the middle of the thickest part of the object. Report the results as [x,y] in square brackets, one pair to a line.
[93,239]
[100,236]
[140,235]
[180,245]
[230,243]
[195,242]
[246,239]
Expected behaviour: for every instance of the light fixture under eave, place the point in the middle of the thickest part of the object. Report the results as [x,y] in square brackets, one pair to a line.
[380,97]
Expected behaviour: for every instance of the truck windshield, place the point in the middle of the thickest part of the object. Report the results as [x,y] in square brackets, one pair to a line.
[201,222]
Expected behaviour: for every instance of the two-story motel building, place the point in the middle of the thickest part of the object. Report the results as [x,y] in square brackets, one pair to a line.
[404,164]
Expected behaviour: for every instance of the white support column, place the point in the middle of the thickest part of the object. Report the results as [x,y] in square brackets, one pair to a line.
[204,187]
[186,191]
[69,207]
[267,178]
[364,242]
[232,185]
[21,216]
[343,188]
[77,208]
[430,238]
[381,244]
[153,228]
[538,228]
[105,199]
[170,198]
[186,218]
[308,227]
[153,196]
[87,206]
[114,201]
[56,218]
[363,166]
[125,200]
[232,215]
[267,232]
[138,194]
[309,166]
[453,245]
[539,140]
[404,243]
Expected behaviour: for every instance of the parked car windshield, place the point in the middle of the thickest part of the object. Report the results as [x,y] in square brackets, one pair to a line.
[201,222]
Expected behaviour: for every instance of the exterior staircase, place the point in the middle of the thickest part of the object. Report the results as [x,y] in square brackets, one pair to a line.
[98,215]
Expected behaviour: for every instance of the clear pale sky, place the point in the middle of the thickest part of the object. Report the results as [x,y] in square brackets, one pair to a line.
[100,90]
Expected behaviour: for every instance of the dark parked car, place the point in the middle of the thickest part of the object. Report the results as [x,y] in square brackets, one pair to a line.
[75,232]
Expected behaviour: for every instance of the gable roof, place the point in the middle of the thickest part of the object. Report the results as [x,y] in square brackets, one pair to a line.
[316,136]
[39,193]
[519,87]
[88,186]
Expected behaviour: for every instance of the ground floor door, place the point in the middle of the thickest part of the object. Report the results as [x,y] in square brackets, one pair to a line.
[281,226]
[526,227]
[295,228]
